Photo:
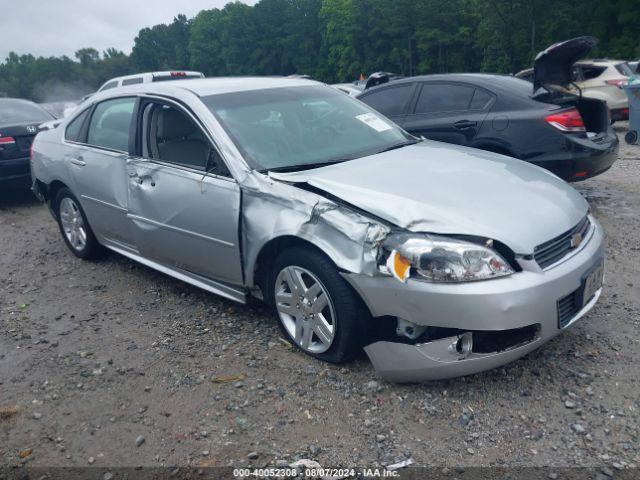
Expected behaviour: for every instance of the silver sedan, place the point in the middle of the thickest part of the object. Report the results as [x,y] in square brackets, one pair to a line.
[439,260]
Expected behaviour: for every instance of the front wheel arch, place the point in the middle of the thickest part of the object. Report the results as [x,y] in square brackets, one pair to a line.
[264,261]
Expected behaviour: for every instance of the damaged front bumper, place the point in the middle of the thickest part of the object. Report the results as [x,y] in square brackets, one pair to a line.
[530,299]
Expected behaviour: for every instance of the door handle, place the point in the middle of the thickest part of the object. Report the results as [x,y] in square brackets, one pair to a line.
[464,124]
[79,161]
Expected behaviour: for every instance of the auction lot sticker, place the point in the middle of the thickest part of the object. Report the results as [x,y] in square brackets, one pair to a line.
[374,122]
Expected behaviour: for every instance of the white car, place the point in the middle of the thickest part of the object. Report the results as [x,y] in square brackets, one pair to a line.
[600,79]
[149,77]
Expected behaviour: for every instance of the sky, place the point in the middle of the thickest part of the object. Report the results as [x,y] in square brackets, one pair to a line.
[60,27]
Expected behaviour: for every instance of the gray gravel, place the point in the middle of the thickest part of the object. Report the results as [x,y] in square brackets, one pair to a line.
[96,356]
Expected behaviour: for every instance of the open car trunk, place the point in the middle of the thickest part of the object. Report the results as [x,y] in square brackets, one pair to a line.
[594,113]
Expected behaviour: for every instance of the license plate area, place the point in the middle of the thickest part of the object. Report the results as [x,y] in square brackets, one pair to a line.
[569,305]
[591,283]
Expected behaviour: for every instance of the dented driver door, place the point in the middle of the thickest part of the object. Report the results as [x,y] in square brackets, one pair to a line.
[185,219]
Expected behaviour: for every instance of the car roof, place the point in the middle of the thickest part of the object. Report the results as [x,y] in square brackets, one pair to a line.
[482,79]
[203,87]
[599,61]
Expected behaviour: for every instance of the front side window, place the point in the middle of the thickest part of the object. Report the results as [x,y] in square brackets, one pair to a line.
[302,127]
[389,101]
[111,123]
[443,97]
[173,137]
[74,129]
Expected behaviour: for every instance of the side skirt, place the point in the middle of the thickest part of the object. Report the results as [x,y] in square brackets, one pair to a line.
[227,291]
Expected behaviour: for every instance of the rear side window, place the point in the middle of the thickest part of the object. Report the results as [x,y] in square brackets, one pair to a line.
[74,129]
[110,124]
[590,72]
[444,97]
[389,101]
[131,81]
[480,100]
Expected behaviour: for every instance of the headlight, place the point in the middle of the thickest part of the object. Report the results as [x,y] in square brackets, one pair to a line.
[441,259]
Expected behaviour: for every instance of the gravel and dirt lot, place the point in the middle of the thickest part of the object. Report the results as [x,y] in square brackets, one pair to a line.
[112,364]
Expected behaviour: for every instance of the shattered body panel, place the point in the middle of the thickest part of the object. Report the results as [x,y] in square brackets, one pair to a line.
[273,209]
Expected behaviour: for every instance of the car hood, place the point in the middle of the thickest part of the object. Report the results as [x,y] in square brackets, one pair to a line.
[447,189]
[553,65]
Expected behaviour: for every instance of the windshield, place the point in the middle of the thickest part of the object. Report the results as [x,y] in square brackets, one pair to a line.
[302,127]
[21,111]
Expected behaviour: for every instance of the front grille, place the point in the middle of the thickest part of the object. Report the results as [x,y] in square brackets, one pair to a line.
[568,307]
[550,252]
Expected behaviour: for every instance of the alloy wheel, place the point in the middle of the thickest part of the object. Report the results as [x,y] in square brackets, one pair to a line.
[73,223]
[305,309]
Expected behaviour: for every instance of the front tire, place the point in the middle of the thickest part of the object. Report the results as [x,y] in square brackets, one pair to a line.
[74,227]
[318,311]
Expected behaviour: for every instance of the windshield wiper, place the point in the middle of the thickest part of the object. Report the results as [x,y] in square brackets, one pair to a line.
[399,145]
[302,166]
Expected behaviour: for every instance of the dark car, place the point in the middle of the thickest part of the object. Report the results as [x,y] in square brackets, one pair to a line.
[19,121]
[564,133]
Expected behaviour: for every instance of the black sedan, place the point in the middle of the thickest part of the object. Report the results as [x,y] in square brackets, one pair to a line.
[566,134]
[19,121]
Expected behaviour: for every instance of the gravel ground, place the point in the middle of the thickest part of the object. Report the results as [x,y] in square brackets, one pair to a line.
[111,363]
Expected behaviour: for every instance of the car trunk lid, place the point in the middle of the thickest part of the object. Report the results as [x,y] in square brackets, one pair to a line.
[553,65]
[16,140]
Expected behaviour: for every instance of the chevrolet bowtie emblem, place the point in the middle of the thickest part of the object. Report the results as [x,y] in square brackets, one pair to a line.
[576,238]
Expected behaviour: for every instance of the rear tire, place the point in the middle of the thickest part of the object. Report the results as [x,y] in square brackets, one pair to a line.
[74,227]
[631,137]
[317,309]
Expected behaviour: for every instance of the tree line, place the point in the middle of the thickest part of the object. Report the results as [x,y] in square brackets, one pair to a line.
[337,40]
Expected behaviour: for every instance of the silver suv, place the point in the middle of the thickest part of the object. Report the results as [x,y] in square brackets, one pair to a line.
[439,260]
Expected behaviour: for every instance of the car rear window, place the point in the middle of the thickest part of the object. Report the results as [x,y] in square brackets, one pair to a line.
[14,111]
[624,69]
[389,101]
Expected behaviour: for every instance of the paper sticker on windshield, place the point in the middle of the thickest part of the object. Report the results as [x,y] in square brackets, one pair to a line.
[374,122]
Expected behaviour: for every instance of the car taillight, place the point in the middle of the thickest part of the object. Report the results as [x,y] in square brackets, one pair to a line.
[618,82]
[566,121]
[178,74]
[7,141]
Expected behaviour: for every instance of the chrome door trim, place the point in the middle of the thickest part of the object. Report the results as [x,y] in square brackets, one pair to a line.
[106,204]
[181,230]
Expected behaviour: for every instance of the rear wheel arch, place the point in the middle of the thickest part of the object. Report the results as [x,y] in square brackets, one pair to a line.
[52,192]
